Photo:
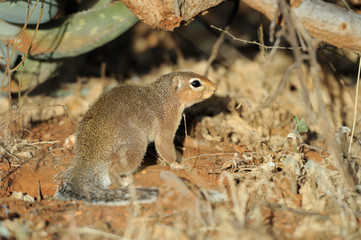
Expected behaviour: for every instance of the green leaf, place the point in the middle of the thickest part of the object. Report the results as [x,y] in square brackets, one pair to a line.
[301,126]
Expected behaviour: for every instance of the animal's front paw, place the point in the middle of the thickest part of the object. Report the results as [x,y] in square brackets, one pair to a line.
[176,165]
[126,180]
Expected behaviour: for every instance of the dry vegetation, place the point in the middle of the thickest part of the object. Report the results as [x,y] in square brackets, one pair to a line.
[280,182]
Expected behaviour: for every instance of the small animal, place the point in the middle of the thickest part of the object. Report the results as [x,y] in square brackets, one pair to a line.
[113,135]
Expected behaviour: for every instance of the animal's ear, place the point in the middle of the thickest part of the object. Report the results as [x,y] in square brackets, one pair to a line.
[177,83]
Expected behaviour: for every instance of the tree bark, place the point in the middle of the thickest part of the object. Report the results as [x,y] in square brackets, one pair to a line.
[325,21]
[168,14]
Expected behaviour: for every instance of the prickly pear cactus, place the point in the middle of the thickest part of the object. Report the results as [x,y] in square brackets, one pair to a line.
[55,38]
[17,11]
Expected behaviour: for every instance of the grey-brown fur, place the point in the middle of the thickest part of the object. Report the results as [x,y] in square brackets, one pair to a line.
[112,137]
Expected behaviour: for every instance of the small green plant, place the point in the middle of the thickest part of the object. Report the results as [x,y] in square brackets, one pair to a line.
[300,127]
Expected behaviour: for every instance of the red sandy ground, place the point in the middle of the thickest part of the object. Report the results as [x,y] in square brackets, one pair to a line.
[47,218]
[36,177]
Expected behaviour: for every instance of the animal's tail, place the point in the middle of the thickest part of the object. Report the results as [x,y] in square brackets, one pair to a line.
[105,196]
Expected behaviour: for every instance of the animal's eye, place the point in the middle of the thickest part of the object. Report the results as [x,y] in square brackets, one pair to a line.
[196,83]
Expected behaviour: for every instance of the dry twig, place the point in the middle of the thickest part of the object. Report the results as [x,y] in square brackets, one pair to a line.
[355,110]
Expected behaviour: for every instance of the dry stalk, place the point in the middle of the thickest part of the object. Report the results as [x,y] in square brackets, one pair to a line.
[15,127]
[207,155]
[215,49]
[185,132]
[281,87]
[355,109]
[295,32]
[220,40]
[247,41]
[96,233]
[35,32]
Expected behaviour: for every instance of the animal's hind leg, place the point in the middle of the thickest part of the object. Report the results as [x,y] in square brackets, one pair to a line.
[125,160]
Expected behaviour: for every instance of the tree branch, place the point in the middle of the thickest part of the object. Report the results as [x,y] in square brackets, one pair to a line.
[325,21]
[168,14]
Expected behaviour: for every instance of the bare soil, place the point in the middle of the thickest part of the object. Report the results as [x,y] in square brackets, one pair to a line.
[53,218]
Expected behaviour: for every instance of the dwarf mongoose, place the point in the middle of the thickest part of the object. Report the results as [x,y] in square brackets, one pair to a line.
[112,137]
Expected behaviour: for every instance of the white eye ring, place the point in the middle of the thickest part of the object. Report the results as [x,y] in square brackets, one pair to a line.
[195,83]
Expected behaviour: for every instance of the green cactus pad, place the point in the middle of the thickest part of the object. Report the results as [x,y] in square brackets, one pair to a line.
[78,33]
[17,11]
[8,30]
